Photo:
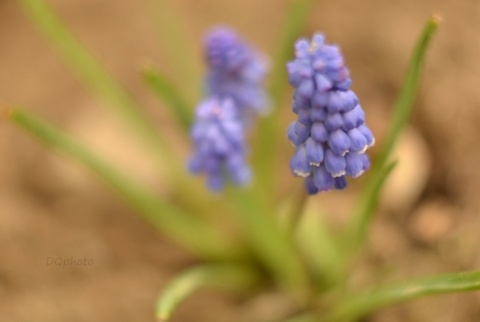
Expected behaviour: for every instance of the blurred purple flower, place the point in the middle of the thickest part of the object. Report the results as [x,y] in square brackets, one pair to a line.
[330,134]
[219,142]
[236,71]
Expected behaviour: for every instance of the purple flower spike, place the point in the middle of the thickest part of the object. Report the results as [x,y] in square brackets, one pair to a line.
[234,95]
[330,134]
[219,140]
[236,71]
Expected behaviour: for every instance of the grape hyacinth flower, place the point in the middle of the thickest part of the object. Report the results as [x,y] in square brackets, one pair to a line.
[235,93]
[219,141]
[236,71]
[330,134]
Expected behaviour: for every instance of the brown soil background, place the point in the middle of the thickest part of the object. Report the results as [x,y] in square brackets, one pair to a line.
[50,207]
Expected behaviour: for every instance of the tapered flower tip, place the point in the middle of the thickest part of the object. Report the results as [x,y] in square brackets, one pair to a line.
[224,49]
[236,70]
[318,39]
[302,48]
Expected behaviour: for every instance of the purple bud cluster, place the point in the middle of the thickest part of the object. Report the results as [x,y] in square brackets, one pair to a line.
[330,134]
[219,139]
[235,94]
[236,71]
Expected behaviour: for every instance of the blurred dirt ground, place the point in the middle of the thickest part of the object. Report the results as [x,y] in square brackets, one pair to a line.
[50,207]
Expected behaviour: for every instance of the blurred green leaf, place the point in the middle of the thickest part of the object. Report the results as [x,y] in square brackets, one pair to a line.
[274,248]
[356,306]
[228,277]
[89,70]
[169,94]
[365,209]
[188,231]
[269,134]
[290,210]
[181,51]
[404,103]
[317,241]
[401,113]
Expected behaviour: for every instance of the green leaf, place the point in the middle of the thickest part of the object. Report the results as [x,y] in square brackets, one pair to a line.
[401,113]
[317,241]
[359,305]
[181,51]
[404,103]
[90,71]
[292,209]
[366,207]
[273,247]
[223,276]
[267,142]
[187,230]
[168,93]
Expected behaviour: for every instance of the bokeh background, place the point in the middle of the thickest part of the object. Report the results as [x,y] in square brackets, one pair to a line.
[429,219]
